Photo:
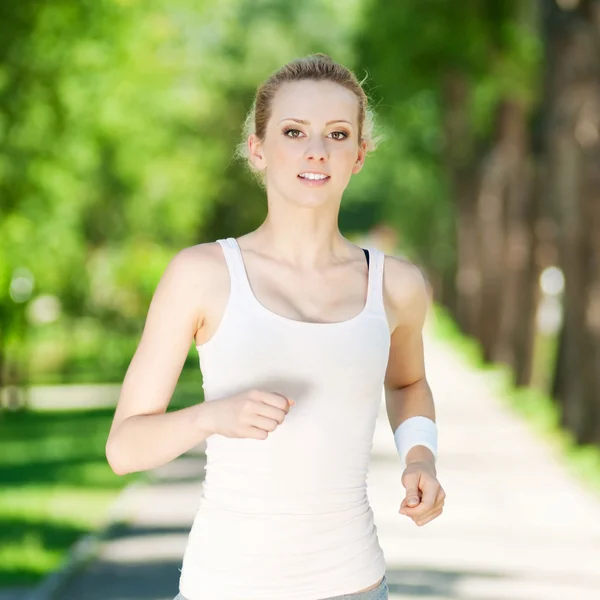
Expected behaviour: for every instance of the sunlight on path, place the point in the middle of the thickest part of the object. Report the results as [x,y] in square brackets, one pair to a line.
[516,525]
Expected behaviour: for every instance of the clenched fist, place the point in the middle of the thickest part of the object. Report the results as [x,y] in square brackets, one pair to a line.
[253,414]
[425,496]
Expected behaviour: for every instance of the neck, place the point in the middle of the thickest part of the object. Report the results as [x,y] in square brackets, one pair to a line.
[306,238]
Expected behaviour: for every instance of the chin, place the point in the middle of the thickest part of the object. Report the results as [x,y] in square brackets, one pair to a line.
[311,199]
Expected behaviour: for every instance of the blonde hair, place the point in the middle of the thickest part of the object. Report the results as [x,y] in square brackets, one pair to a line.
[315,67]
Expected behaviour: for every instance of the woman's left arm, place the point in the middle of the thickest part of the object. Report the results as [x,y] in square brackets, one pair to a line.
[407,392]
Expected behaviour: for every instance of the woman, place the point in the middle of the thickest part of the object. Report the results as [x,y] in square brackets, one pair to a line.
[297,330]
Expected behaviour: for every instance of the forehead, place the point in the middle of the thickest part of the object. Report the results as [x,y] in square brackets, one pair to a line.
[314,101]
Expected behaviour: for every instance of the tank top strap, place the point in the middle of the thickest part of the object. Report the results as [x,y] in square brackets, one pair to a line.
[240,286]
[375,294]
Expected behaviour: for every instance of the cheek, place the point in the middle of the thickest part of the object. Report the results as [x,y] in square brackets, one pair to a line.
[282,154]
[348,156]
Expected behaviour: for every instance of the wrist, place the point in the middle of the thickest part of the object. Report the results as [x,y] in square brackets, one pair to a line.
[420,454]
[416,440]
[203,419]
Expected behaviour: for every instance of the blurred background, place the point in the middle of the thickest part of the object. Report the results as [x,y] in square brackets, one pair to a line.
[118,124]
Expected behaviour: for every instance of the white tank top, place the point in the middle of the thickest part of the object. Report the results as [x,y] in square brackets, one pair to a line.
[288,516]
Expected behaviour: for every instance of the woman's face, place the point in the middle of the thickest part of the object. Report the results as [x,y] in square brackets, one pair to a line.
[313,129]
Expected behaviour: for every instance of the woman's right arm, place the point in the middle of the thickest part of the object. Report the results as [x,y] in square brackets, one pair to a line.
[143,435]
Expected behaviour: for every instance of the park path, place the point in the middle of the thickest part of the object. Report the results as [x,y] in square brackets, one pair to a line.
[516,524]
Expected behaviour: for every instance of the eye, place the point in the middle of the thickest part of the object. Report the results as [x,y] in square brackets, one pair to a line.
[343,133]
[288,129]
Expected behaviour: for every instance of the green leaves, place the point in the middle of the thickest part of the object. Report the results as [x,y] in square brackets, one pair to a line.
[118,124]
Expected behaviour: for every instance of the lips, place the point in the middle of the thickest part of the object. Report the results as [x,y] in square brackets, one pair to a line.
[320,176]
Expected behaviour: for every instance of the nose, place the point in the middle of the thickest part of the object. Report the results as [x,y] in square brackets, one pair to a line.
[316,151]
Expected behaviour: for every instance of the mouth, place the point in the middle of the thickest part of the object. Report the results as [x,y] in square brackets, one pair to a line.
[314,179]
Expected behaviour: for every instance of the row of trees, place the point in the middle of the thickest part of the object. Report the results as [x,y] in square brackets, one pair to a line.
[118,121]
[512,90]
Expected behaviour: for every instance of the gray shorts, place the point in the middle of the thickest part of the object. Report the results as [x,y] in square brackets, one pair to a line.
[378,593]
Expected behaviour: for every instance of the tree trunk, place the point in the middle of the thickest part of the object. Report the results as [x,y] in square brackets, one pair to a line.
[513,343]
[541,254]
[592,190]
[573,148]
[445,287]
[505,252]
[458,155]
[491,199]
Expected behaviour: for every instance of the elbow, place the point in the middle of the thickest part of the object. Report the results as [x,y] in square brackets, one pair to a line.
[409,384]
[114,459]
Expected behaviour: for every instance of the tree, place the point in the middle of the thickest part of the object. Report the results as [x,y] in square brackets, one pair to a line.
[572,152]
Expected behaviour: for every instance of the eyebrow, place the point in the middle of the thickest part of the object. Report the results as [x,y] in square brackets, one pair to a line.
[304,122]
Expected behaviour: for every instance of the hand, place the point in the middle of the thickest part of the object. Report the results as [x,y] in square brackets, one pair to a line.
[253,414]
[425,497]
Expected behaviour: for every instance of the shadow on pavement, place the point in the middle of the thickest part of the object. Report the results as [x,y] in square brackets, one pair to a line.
[126,581]
[159,581]
[424,583]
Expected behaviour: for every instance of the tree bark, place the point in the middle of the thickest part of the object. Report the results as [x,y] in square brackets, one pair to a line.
[458,157]
[491,209]
[573,150]
[541,254]
[513,344]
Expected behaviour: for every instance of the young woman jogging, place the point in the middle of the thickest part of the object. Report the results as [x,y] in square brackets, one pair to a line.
[298,330]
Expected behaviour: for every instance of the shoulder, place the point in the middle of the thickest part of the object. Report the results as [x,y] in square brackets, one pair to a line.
[406,291]
[206,254]
[196,269]
[196,262]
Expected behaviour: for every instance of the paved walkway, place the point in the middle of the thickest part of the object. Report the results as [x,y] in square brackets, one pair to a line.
[516,525]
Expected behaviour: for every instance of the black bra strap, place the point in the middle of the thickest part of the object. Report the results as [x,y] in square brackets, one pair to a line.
[366,255]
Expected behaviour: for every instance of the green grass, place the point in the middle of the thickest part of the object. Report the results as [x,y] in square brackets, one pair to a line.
[84,353]
[537,408]
[56,484]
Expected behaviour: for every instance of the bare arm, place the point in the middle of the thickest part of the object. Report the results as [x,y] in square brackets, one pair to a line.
[406,389]
[143,435]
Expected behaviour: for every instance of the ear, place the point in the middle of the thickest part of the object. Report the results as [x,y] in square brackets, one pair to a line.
[360,159]
[256,152]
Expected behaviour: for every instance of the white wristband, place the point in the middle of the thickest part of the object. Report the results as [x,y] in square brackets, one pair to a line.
[416,431]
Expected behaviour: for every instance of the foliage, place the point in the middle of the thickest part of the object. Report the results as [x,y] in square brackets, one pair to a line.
[123,121]
[408,50]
